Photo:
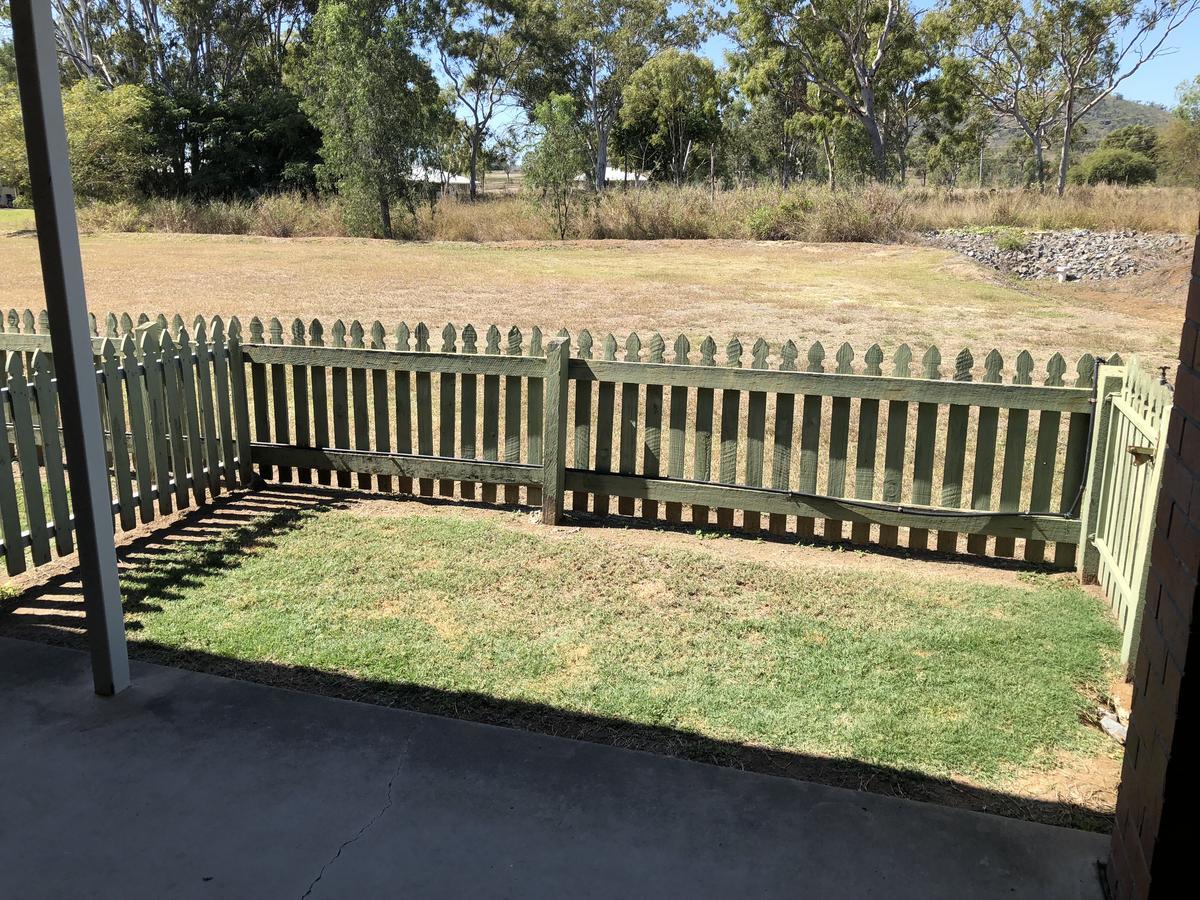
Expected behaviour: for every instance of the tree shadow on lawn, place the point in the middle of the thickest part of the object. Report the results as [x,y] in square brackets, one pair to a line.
[174,557]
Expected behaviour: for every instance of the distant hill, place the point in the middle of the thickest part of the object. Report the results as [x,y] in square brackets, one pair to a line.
[1111,113]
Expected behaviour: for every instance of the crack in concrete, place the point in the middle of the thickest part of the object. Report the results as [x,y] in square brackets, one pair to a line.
[387,804]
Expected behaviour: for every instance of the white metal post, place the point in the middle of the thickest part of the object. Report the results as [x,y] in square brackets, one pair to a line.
[70,338]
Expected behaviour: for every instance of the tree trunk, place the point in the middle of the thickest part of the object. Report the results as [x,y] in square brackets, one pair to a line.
[385,214]
[874,138]
[474,161]
[828,145]
[601,155]
[1039,161]
[1064,160]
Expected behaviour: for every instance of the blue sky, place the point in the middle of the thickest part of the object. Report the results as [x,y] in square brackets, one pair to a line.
[1153,83]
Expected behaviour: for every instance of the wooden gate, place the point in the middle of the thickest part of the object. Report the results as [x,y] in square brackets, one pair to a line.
[1130,435]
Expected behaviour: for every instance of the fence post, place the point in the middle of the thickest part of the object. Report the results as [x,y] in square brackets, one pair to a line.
[1109,380]
[554,431]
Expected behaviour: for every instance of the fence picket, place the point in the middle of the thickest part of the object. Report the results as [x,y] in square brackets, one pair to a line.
[677,429]
[300,398]
[358,391]
[52,454]
[868,443]
[279,400]
[208,416]
[534,417]
[1044,455]
[924,447]
[380,405]
[241,410]
[27,462]
[143,465]
[627,464]
[10,519]
[491,414]
[403,385]
[839,435]
[652,433]
[1016,439]
[731,403]
[895,446]
[318,384]
[756,430]
[446,409]
[115,408]
[702,453]
[605,412]
[810,439]
[781,453]
[1078,434]
[984,472]
[957,422]
[157,413]
[258,385]
[341,400]
[224,402]
[468,411]
[512,415]
[187,383]
[582,451]
[175,417]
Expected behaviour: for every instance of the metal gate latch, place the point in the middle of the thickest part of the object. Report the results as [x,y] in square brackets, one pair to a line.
[1141,455]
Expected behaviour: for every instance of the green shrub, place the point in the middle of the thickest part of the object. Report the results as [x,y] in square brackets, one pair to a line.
[1116,165]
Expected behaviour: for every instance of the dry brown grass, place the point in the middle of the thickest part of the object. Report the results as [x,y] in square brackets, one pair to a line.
[861,293]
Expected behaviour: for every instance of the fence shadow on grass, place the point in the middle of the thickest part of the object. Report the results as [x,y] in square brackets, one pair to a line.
[157,567]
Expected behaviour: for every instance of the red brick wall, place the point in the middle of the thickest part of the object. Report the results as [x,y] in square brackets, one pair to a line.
[1158,784]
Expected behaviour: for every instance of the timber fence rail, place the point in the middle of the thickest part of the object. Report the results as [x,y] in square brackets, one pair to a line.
[959,457]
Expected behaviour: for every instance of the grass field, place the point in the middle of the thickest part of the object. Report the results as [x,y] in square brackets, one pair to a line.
[769,656]
[860,293]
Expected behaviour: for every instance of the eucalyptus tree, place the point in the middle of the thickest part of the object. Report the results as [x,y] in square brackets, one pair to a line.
[852,50]
[481,52]
[1098,44]
[603,43]
[376,103]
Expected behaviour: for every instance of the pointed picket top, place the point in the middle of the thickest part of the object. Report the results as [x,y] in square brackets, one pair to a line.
[733,353]
[143,318]
[44,322]
[14,320]
[633,347]
[759,353]
[1115,360]
[787,356]
[28,322]
[256,330]
[708,352]
[357,333]
[682,347]
[110,325]
[402,337]
[874,360]
[421,337]
[610,347]
[274,329]
[845,360]
[3,319]
[297,333]
[658,348]
[514,341]
[535,342]
[993,366]
[196,322]
[338,333]
[493,340]
[185,345]
[1055,369]
[930,363]
[128,350]
[93,324]
[1024,368]
[902,361]
[816,358]
[108,352]
[585,344]
[449,335]
[126,323]
[201,332]
[469,337]
[161,321]
[176,323]
[378,336]
[218,329]
[150,344]
[316,333]
[1085,369]
[235,329]
[15,369]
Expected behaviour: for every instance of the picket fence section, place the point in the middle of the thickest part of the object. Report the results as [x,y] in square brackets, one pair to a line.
[174,434]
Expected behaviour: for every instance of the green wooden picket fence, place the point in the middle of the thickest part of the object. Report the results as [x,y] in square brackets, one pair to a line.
[956,457]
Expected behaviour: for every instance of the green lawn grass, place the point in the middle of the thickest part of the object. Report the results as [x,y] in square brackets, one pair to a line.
[16,220]
[957,675]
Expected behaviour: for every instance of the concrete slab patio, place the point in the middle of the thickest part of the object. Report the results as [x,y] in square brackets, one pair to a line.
[190,785]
